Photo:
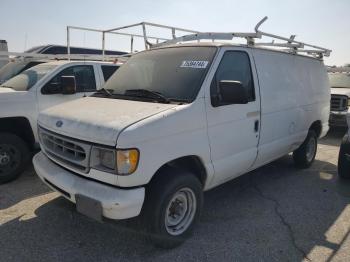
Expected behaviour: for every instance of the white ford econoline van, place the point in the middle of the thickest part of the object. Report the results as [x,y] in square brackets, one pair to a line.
[178,120]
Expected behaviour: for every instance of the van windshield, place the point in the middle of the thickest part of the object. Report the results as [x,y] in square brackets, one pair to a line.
[28,78]
[171,73]
[339,80]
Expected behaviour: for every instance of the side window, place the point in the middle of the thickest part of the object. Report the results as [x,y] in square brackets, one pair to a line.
[84,78]
[235,65]
[108,71]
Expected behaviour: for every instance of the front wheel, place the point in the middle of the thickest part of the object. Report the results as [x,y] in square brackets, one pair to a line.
[14,155]
[344,159]
[172,207]
[305,155]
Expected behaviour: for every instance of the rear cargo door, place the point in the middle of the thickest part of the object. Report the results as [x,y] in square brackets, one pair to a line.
[233,129]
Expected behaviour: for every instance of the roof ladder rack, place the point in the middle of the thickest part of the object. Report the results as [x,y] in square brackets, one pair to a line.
[291,45]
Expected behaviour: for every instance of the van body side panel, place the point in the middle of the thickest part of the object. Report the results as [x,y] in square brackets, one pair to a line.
[315,89]
[294,94]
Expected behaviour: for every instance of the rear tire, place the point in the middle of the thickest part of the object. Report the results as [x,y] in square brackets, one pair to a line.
[344,159]
[305,155]
[14,156]
[172,207]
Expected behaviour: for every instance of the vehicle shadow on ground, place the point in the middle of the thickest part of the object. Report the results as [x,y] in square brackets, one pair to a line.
[269,214]
[26,186]
[334,137]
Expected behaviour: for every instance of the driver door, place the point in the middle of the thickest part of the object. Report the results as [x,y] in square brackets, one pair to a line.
[233,129]
[85,79]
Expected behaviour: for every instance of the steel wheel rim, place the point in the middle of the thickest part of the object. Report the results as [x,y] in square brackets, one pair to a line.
[310,149]
[180,211]
[10,158]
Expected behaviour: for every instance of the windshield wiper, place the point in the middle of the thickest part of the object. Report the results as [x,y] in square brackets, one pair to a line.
[147,94]
[104,91]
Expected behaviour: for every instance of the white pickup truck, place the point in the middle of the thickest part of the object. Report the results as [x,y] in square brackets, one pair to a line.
[25,95]
[339,79]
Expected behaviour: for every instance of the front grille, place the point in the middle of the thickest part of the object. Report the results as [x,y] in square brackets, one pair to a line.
[68,151]
[339,103]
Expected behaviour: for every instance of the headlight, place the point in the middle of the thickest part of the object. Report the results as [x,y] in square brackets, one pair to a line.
[120,161]
[103,159]
[127,161]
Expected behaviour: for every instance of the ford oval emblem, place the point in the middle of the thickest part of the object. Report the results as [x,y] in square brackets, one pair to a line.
[59,123]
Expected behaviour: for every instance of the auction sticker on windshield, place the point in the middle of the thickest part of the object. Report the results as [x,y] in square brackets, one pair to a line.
[194,64]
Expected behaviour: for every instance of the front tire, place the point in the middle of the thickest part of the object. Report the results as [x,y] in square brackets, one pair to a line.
[344,159]
[172,207]
[305,155]
[14,156]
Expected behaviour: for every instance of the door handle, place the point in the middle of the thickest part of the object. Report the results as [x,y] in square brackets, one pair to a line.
[256,126]
[253,114]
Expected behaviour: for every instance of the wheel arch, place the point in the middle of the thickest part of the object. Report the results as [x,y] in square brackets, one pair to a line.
[317,127]
[19,126]
[190,163]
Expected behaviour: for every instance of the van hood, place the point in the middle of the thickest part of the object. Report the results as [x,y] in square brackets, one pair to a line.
[340,91]
[98,120]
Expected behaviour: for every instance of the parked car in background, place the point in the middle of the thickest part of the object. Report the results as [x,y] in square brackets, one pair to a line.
[62,50]
[37,88]
[340,95]
[178,120]
[344,154]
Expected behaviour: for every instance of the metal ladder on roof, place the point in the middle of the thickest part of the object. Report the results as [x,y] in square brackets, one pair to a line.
[280,43]
[284,44]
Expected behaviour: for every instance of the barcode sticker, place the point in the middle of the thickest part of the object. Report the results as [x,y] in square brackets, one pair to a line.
[194,64]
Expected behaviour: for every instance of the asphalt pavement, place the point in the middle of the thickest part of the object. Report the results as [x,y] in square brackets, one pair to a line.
[275,213]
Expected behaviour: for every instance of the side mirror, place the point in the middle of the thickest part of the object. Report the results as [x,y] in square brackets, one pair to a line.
[68,85]
[232,92]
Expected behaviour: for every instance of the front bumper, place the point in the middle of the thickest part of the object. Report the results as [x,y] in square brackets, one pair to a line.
[116,203]
[338,118]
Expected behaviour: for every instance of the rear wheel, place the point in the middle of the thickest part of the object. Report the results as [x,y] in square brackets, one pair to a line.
[344,159]
[306,153]
[14,155]
[172,207]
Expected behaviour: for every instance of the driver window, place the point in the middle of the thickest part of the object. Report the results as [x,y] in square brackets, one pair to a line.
[84,78]
[235,65]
